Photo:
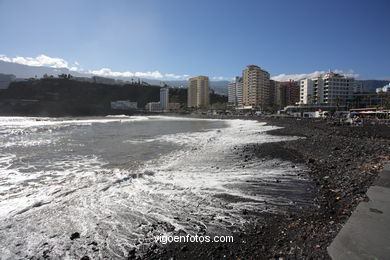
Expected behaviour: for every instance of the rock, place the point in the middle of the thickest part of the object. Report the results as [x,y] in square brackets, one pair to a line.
[311,160]
[132,251]
[75,235]
[94,243]
[45,254]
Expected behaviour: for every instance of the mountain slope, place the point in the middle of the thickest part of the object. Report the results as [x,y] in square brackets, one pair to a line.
[24,71]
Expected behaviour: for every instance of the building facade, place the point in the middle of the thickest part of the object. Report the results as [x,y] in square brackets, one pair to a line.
[286,93]
[280,97]
[153,107]
[256,87]
[330,88]
[235,92]
[198,92]
[174,106]
[164,99]
[124,105]
[292,92]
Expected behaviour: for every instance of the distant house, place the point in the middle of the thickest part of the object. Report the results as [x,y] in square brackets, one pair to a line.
[174,106]
[124,105]
[153,107]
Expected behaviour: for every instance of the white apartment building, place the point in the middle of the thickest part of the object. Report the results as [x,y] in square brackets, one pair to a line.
[153,107]
[235,92]
[124,105]
[164,99]
[330,88]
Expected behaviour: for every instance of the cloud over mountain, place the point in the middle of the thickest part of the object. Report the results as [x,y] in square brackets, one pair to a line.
[46,61]
[287,77]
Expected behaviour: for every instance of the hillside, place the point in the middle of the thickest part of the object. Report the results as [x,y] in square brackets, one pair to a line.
[372,85]
[24,71]
[65,97]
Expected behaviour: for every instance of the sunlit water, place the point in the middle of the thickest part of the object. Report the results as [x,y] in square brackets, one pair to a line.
[120,180]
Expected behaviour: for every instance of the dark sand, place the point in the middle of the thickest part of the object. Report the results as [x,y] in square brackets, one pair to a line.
[343,161]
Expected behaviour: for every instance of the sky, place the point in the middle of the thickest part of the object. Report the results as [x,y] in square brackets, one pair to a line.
[177,39]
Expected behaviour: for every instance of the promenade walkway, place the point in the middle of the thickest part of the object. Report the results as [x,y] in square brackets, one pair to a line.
[366,235]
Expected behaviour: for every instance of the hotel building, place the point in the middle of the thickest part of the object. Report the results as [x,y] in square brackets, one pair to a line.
[198,92]
[235,92]
[256,87]
[330,88]
[164,99]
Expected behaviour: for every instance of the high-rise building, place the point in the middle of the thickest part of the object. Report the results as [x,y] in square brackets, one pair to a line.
[292,92]
[330,88]
[280,94]
[286,93]
[198,92]
[164,99]
[232,92]
[256,87]
[235,92]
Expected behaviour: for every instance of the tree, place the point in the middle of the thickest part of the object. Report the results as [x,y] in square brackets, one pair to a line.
[65,76]
[367,100]
[356,101]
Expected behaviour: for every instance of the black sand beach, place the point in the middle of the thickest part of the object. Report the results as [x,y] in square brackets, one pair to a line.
[343,162]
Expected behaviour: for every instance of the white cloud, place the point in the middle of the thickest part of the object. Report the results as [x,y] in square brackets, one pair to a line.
[219,78]
[287,77]
[106,72]
[40,60]
[174,76]
[4,58]
[46,61]
[155,74]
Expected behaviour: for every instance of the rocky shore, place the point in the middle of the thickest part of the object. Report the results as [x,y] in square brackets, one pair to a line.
[343,161]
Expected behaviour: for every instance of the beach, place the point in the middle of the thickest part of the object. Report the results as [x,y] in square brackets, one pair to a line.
[342,161]
[106,187]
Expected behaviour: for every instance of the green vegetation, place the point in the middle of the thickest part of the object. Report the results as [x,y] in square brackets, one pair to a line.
[66,97]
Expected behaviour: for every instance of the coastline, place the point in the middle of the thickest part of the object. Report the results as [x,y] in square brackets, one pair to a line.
[334,165]
[343,162]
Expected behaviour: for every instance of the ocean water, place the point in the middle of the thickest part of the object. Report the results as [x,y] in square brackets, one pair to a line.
[120,180]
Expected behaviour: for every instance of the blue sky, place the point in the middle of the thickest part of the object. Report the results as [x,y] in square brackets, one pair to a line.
[181,38]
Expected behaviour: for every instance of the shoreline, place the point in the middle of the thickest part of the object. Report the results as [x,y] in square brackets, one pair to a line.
[340,164]
[343,162]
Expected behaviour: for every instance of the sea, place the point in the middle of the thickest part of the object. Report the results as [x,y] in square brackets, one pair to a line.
[118,181]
